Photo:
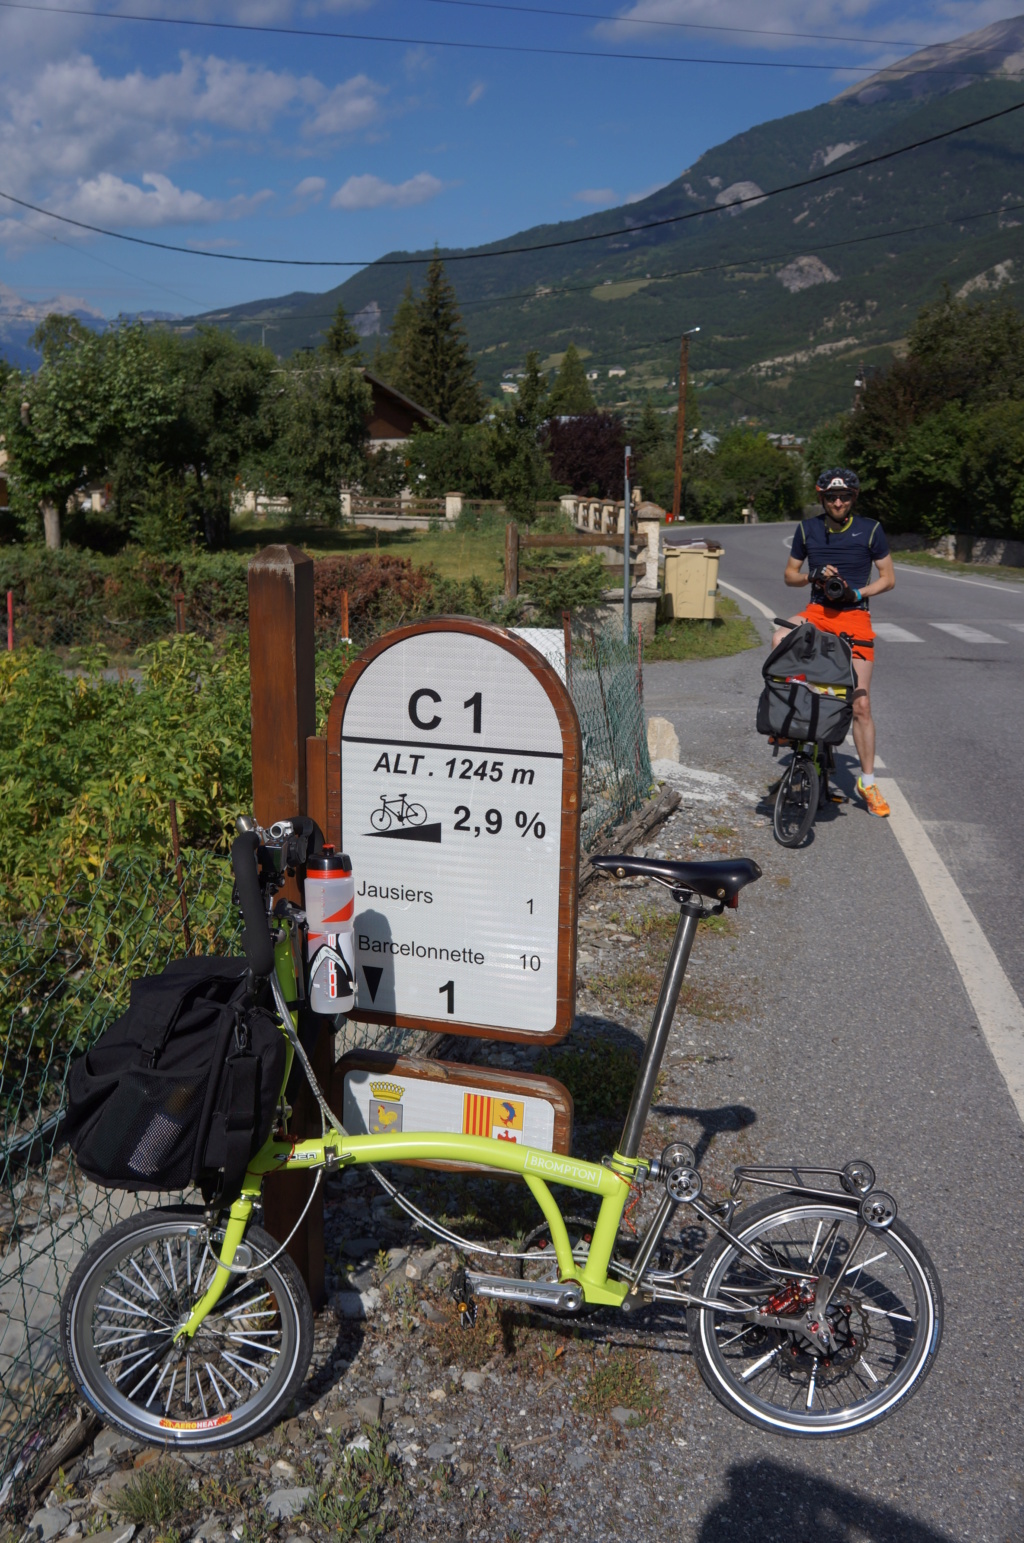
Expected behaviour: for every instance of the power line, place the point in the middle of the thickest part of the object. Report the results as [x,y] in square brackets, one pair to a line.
[299,317]
[538,246]
[465,44]
[683,26]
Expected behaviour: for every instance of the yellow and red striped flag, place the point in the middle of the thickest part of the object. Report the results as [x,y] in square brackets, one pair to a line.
[476,1114]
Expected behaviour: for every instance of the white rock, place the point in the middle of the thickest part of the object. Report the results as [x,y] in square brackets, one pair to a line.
[355,1304]
[283,1473]
[49,1523]
[284,1503]
[473,1381]
[358,1444]
[662,740]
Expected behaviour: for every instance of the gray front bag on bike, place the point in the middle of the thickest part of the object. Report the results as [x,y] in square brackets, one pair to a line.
[808,687]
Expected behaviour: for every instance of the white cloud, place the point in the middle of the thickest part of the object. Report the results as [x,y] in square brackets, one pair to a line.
[595,196]
[353,105]
[310,187]
[71,121]
[476,92]
[369,192]
[109,200]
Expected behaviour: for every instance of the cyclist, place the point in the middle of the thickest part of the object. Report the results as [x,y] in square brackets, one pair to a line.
[839,543]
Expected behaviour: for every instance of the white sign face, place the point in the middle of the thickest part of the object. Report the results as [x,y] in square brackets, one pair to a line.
[377,1103]
[451,756]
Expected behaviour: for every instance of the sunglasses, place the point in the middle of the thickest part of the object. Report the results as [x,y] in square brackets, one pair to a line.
[838,498]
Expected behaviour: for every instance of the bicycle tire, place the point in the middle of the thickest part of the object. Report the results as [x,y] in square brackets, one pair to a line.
[770,1377]
[162,1262]
[796,802]
[380,819]
[415,814]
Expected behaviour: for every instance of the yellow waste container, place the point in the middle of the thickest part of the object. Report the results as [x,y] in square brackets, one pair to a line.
[691,581]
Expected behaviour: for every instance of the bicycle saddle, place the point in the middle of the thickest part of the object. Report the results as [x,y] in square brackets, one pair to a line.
[721,880]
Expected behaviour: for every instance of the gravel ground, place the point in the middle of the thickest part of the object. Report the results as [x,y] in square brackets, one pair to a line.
[784,1045]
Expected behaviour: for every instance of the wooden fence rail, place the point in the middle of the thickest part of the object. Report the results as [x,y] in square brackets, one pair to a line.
[516,542]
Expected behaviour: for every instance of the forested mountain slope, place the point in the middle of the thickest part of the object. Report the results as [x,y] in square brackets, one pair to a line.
[792,294]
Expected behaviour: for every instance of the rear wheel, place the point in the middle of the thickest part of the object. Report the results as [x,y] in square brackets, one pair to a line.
[796,802]
[233,1380]
[885,1318]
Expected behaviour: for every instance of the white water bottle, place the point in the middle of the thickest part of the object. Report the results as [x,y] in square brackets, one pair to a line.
[330,908]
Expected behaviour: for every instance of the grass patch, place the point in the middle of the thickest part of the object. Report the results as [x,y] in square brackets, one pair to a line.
[634,987]
[620,1378]
[456,554]
[159,1494]
[648,922]
[943,565]
[730,633]
[599,1076]
[365,1496]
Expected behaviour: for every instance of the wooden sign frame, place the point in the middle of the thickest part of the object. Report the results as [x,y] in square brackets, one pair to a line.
[459,1074]
[571,794]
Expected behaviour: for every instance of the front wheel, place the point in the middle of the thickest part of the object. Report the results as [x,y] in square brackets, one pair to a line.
[885,1318]
[233,1380]
[796,802]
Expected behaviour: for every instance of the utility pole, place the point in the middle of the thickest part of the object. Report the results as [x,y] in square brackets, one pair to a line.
[627,571]
[684,372]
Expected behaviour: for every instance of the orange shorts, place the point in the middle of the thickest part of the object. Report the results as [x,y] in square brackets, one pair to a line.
[856,625]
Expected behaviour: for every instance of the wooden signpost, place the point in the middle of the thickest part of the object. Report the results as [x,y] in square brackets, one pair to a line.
[451,774]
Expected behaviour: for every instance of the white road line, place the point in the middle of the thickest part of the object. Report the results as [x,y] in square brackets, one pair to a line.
[890,633]
[748,598]
[996,1005]
[957,629]
[1018,626]
[1011,585]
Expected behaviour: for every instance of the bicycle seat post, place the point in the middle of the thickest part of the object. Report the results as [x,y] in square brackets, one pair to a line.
[661,1024]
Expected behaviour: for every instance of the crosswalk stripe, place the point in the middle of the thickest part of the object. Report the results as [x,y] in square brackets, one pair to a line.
[966,634]
[890,633]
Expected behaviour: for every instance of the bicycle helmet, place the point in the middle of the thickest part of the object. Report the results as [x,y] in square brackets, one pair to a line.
[838,479]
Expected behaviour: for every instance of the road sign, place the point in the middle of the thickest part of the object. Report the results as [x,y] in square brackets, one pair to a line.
[453,784]
[375,1092]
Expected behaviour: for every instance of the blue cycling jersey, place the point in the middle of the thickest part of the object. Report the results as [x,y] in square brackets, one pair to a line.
[851,550]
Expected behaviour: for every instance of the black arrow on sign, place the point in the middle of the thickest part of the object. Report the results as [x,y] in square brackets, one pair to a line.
[372,974]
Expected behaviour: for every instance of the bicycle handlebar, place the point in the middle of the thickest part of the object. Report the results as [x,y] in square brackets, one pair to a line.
[780,621]
[258,944]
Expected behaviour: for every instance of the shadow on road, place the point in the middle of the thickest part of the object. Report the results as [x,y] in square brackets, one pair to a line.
[712,1122]
[767,1501]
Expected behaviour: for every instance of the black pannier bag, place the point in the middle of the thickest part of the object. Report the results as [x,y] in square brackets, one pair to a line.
[808,687]
[182,1088]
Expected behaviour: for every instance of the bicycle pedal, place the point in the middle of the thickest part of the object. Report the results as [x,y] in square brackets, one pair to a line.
[835,797]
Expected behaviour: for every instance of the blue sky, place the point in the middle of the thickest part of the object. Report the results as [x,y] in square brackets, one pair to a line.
[316,147]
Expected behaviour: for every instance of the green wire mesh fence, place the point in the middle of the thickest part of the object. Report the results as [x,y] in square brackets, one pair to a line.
[605,678]
[65,974]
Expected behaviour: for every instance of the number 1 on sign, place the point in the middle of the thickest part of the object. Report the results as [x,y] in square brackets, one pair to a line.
[449,989]
[476,702]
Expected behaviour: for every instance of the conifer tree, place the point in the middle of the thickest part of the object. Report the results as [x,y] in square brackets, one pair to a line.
[391,362]
[440,374]
[341,341]
[571,391]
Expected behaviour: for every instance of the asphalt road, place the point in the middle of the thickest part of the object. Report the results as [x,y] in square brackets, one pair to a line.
[948,702]
[860,1040]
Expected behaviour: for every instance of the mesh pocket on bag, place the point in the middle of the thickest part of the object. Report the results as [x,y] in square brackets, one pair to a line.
[146,1136]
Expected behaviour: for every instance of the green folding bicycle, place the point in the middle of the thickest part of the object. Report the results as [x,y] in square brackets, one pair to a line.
[812,1312]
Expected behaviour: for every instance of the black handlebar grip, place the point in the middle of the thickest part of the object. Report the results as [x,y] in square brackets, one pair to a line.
[259,947]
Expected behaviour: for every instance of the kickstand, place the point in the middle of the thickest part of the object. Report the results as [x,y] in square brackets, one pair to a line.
[460,1294]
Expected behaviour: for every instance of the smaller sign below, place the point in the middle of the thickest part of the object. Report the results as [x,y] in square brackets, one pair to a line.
[375,1093]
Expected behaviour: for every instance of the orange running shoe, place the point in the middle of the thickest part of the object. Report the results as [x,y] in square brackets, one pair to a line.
[872,797]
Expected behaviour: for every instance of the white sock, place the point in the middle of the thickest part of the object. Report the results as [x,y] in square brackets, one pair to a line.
[867,779]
